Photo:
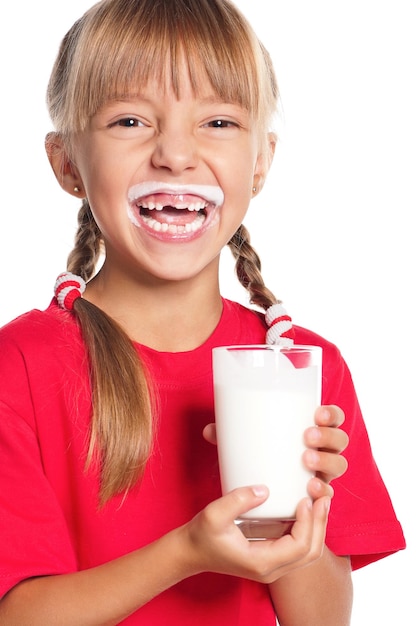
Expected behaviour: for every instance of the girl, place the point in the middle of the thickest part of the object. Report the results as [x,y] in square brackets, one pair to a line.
[110,502]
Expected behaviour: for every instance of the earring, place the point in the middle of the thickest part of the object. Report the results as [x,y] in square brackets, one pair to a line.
[254,189]
[76,189]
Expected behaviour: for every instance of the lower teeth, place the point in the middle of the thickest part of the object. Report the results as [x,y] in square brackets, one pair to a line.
[175,229]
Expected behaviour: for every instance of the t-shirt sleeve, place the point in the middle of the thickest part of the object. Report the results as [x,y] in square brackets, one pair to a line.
[362,521]
[34,538]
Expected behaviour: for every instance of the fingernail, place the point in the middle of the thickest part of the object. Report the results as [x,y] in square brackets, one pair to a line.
[325,415]
[311,458]
[260,490]
[314,434]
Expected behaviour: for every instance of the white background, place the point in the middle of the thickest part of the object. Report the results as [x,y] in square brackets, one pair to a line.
[333,225]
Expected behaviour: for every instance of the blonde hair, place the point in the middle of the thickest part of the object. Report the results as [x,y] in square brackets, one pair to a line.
[119,39]
[114,48]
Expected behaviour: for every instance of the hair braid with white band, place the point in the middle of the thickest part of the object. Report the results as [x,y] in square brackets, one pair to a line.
[68,287]
[280,325]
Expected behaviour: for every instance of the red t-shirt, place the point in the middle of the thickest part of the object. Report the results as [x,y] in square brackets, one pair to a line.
[49,521]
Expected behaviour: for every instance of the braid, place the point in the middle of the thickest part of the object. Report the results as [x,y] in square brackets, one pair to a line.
[121,426]
[248,269]
[88,244]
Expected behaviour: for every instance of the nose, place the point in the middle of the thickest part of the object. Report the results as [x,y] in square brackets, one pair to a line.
[175,151]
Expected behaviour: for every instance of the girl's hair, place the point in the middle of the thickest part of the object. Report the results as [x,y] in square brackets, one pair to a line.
[114,48]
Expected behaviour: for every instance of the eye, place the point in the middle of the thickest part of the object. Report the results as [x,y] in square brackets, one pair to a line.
[127,122]
[221,123]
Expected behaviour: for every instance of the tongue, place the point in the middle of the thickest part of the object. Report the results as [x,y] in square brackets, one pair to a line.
[170,215]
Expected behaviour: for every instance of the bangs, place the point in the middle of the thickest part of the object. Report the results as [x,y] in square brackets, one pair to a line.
[118,46]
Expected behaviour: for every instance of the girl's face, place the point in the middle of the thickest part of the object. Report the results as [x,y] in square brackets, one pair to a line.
[168,180]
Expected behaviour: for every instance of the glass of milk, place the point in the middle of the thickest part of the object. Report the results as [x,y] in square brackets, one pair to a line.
[265,398]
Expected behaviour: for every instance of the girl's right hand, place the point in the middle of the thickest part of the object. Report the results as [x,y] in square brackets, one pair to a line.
[211,542]
[215,543]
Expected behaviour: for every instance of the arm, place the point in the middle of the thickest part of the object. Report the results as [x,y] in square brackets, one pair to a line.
[210,542]
[317,595]
[104,595]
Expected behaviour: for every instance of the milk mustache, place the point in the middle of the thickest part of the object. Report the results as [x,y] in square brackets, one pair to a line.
[265,398]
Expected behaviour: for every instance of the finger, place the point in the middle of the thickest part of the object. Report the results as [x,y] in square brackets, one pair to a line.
[313,529]
[329,415]
[318,488]
[210,433]
[269,560]
[302,528]
[326,464]
[320,520]
[326,438]
[287,552]
[306,541]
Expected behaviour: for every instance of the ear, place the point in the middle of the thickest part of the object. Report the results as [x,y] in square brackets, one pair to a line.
[64,168]
[264,161]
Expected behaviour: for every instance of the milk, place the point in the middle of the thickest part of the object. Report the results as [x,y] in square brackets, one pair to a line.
[263,404]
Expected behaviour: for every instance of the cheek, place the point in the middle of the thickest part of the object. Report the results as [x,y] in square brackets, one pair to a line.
[242,187]
[105,184]
[100,164]
[236,206]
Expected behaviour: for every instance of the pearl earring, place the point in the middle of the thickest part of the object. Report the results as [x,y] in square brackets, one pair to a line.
[76,189]
[254,189]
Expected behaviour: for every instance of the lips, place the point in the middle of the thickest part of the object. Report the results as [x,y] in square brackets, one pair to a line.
[174,212]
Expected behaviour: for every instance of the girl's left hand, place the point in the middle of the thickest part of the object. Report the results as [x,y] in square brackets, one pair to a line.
[325,442]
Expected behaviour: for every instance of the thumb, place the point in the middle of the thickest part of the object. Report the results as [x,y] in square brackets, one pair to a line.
[243,499]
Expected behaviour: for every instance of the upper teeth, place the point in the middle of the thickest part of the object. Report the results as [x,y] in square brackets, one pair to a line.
[193,206]
[212,194]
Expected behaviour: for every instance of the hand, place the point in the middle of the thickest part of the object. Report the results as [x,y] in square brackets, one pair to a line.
[214,543]
[325,442]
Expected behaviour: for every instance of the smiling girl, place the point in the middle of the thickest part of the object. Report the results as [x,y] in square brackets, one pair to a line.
[110,503]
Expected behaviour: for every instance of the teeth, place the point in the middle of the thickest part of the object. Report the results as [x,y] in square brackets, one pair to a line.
[212,194]
[195,206]
[175,229]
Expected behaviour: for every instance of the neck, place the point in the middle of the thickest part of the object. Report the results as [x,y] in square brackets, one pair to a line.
[165,316]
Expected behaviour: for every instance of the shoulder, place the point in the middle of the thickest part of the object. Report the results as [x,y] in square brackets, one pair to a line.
[40,335]
[253,328]
[42,356]
[308,337]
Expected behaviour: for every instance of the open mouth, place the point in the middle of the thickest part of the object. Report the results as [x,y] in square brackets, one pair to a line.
[174,211]
[173,217]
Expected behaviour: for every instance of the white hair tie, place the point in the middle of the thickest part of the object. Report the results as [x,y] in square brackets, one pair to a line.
[281,331]
[68,287]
